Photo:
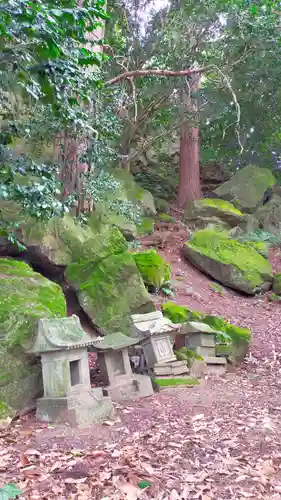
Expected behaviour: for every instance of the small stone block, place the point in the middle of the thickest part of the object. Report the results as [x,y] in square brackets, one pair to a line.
[173,369]
[205,352]
[216,366]
[215,360]
[203,339]
[144,386]
[198,368]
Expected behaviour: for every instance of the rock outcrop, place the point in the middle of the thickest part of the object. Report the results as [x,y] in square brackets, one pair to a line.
[25,297]
[232,263]
[269,215]
[198,214]
[247,188]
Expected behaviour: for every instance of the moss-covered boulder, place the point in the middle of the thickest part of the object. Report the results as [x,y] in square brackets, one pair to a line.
[200,213]
[269,215]
[63,241]
[276,286]
[25,297]
[247,187]
[110,291]
[154,269]
[228,261]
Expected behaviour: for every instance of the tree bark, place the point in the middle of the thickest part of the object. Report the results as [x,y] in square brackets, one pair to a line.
[189,167]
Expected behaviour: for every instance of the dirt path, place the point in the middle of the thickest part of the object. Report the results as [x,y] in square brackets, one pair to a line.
[221,440]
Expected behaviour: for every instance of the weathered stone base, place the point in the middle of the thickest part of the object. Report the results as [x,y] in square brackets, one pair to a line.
[89,407]
[129,388]
[175,368]
[215,365]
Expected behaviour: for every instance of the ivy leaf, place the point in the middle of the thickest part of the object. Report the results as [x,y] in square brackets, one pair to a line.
[9,491]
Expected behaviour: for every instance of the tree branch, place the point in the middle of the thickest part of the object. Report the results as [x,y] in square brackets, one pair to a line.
[156,72]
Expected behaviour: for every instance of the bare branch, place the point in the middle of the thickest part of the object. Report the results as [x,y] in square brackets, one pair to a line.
[156,72]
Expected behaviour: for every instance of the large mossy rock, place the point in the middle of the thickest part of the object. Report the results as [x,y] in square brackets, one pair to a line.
[234,264]
[154,269]
[269,215]
[200,213]
[63,241]
[25,297]
[110,291]
[247,187]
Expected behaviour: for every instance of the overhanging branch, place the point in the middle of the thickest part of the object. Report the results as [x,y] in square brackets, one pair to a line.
[156,72]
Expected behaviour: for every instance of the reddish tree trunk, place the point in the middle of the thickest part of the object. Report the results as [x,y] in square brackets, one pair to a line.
[189,168]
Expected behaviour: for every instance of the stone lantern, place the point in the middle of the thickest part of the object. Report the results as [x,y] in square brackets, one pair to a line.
[155,334]
[62,344]
[115,369]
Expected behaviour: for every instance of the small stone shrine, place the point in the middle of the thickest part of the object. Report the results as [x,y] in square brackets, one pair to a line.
[68,396]
[115,369]
[155,333]
[201,338]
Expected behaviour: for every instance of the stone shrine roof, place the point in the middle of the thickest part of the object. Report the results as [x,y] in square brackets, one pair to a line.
[114,341]
[154,323]
[57,334]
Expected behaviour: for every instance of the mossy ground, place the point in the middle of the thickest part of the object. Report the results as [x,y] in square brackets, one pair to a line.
[170,382]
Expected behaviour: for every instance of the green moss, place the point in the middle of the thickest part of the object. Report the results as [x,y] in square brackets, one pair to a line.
[220,204]
[153,268]
[259,246]
[110,291]
[146,226]
[185,354]
[170,382]
[166,218]
[276,287]
[161,205]
[215,287]
[273,297]
[5,411]
[179,314]
[247,187]
[245,259]
[25,297]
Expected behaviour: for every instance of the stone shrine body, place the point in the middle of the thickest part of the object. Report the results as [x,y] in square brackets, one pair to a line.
[68,395]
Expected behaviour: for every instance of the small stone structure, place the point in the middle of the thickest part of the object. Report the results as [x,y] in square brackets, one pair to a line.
[201,339]
[154,332]
[68,396]
[115,368]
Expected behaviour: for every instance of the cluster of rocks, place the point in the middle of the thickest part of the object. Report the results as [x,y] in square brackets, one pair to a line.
[220,244]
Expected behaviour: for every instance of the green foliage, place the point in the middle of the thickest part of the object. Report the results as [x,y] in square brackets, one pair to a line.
[153,268]
[185,354]
[9,491]
[273,297]
[259,236]
[146,226]
[179,314]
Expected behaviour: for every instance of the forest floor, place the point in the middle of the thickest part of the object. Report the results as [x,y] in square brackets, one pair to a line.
[219,440]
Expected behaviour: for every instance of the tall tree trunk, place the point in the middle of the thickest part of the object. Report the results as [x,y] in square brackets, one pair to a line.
[189,167]
[69,149]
